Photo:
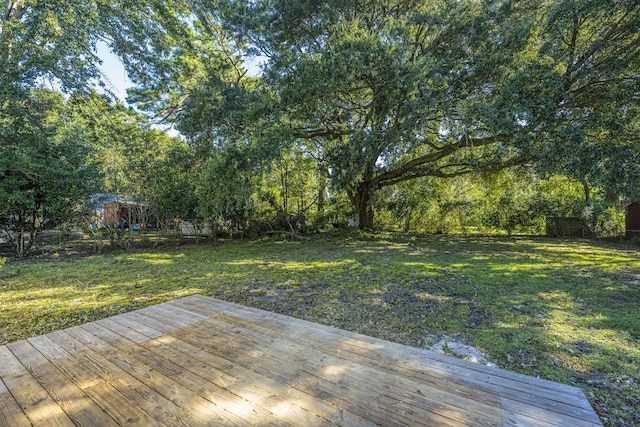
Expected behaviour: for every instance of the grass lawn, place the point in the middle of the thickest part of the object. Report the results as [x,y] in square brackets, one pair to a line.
[564,311]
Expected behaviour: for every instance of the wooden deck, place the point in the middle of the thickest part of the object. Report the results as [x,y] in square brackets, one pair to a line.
[201,361]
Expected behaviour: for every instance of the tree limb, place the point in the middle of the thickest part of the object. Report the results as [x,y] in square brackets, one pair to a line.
[464,170]
[397,174]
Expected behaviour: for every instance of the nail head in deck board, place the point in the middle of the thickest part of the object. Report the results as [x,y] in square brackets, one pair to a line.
[189,350]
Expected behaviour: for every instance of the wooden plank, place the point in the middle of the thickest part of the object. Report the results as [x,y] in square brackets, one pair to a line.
[519,392]
[440,390]
[163,318]
[213,306]
[117,405]
[172,315]
[249,383]
[174,405]
[379,359]
[123,330]
[10,412]
[175,378]
[517,412]
[335,346]
[74,402]
[163,411]
[36,403]
[374,409]
[288,411]
[423,395]
[175,312]
[198,360]
[382,400]
[128,321]
[151,322]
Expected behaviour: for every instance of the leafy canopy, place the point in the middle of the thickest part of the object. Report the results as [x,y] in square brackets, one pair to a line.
[390,90]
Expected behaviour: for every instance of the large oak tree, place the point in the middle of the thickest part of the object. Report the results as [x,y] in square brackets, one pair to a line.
[397,90]
[388,91]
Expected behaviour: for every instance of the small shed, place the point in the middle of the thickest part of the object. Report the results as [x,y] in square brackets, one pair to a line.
[129,211]
[632,222]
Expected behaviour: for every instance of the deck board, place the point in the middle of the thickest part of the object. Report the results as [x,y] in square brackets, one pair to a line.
[514,392]
[201,361]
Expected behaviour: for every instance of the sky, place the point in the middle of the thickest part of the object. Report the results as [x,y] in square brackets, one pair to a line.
[118,82]
[115,75]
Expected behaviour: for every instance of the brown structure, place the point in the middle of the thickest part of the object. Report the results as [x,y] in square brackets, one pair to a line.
[121,210]
[633,220]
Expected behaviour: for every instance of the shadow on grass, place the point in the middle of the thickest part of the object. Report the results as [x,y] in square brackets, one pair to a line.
[565,311]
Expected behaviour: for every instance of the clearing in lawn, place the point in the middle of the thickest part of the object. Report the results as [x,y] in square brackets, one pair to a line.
[559,310]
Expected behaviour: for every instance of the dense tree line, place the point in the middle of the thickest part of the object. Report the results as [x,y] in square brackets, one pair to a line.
[439,115]
[50,150]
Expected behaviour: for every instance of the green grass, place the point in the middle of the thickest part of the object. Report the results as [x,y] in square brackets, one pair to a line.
[564,311]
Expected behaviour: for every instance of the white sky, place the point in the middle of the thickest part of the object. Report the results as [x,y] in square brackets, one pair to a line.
[117,80]
[115,75]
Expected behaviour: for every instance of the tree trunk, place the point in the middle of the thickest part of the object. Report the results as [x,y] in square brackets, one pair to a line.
[362,200]
[321,199]
[20,243]
[323,180]
[587,193]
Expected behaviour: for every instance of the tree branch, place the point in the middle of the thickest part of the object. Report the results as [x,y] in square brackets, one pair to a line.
[464,170]
[13,10]
[398,174]
[318,133]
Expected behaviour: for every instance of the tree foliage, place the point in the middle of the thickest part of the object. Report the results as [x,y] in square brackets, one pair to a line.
[395,90]
[44,173]
[371,101]
[45,166]
[227,187]
[134,159]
